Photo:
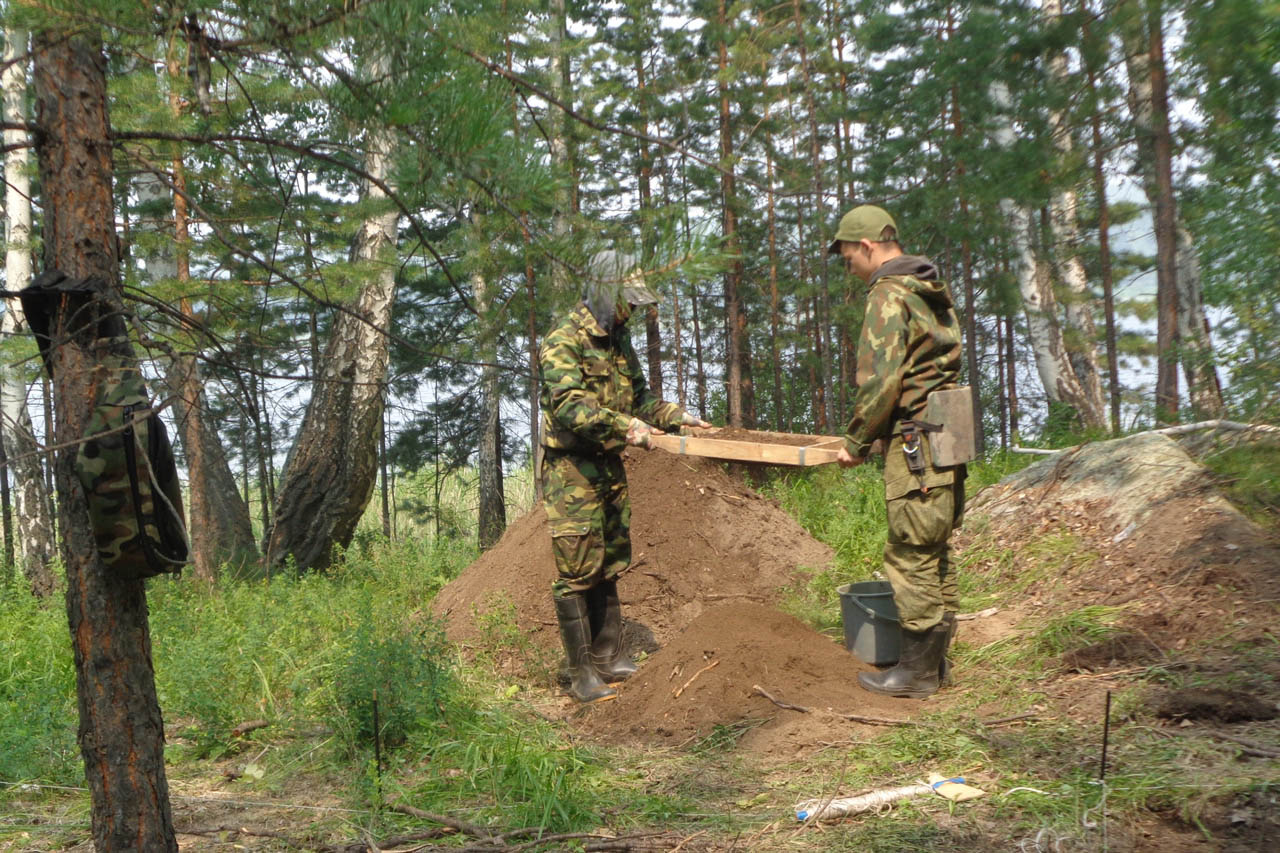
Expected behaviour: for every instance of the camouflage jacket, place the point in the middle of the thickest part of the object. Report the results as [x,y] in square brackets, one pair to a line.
[592,385]
[910,346]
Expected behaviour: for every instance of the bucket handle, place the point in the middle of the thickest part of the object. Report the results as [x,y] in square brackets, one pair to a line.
[867,610]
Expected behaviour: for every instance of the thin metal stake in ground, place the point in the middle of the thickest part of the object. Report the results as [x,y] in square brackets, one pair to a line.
[1106,736]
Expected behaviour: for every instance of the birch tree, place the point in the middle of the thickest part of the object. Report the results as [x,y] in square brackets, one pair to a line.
[332,467]
[35,525]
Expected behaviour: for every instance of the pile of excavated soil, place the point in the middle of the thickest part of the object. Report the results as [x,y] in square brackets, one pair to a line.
[699,537]
[707,677]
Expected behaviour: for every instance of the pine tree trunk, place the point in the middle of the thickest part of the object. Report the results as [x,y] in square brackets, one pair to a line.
[493,508]
[734,319]
[775,304]
[558,140]
[970,295]
[1104,233]
[1142,32]
[31,496]
[332,468]
[1012,384]
[121,732]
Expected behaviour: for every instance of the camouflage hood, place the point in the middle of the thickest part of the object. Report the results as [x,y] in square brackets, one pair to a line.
[919,275]
[608,277]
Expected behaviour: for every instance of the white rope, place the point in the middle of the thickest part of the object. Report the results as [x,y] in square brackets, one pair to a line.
[824,809]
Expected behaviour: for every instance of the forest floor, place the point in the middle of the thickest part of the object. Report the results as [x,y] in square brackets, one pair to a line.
[1113,595]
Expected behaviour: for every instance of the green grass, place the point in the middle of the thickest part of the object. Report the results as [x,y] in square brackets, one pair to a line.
[1249,475]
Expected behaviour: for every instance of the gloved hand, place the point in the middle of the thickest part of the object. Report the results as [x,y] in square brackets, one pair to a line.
[689,419]
[638,433]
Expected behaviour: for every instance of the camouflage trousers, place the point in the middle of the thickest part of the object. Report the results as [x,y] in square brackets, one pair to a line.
[589,514]
[917,557]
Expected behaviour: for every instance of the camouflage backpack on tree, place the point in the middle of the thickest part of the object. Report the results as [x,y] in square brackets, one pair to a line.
[124,462]
[130,480]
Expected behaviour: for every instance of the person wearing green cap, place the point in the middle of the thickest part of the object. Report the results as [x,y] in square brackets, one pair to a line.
[909,347]
[595,402]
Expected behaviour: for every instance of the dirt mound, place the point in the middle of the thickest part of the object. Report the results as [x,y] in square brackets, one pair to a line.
[1152,533]
[1209,703]
[699,537]
[706,678]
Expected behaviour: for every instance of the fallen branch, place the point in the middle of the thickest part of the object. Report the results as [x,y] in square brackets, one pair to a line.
[1002,720]
[694,677]
[1034,450]
[880,721]
[249,726]
[1182,429]
[444,820]
[1257,750]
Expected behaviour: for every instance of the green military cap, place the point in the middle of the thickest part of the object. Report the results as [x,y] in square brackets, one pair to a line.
[864,222]
[635,291]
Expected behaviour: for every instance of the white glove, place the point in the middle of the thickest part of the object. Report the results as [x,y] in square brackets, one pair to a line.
[639,432]
[689,419]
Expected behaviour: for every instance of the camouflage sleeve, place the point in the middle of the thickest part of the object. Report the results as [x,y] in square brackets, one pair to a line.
[882,351]
[566,399]
[648,408]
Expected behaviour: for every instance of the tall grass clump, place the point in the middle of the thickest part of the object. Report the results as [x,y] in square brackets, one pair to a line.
[278,649]
[37,690]
[393,679]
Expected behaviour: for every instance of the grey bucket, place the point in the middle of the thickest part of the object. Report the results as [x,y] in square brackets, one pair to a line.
[870,617]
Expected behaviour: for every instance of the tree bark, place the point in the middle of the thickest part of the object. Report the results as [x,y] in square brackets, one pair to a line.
[734,319]
[1063,216]
[493,509]
[332,468]
[823,308]
[1035,284]
[31,495]
[1104,233]
[121,732]
[1142,33]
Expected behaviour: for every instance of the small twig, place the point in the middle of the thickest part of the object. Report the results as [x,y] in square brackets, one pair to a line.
[784,705]
[694,677]
[1002,720]
[708,541]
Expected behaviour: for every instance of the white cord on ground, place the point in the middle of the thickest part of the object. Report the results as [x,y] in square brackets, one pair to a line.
[874,801]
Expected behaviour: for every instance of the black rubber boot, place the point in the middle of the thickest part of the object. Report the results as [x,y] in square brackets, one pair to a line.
[916,675]
[575,632]
[605,610]
[944,668]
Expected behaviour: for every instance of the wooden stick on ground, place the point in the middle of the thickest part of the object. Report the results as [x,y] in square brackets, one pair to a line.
[694,677]
[785,705]
[880,721]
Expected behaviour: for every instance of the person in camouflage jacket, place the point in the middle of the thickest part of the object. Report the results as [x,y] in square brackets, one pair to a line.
[595,402]
[910,347]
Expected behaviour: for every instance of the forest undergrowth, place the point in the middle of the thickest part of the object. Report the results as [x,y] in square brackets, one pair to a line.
[270,690]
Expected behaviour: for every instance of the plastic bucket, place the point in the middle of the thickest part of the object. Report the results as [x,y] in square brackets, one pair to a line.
[870,617]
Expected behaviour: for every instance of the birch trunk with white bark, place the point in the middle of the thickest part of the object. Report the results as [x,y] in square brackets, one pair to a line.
[332,468]
[1063,217]
[31,496]
[1035,284]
